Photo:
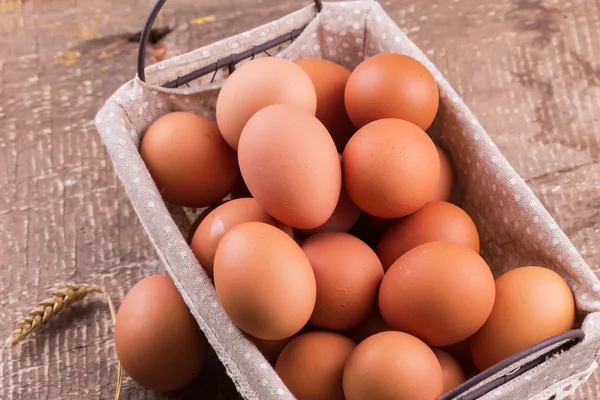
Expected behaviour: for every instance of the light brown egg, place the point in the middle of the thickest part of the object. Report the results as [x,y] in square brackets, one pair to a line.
[271,349]
[220,220]
[532,304]
[257,84]
[262,298]
[157,339]
[461,352]
[391,86]
[440,292]
[454,375]
[189,161]
[330,80]
[391,168]
[435,221]
[291,166]
[312,365]
[344,217]
[392,366]
[445,187]
[348,274]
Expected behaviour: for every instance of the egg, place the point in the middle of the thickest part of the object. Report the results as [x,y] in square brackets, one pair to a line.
[344,217]
[348,274]
[189,161]
[330,80]
[157,340]
[440,292]
[391,86]
[194,226]
[391,168]
[392,366]
[435,221]
[445,187]
[291,166]
[372,325]
[532,304]
[257,84]
[271,349]
[454,375]
[312,365]
[264,281]
[369,229]
[220,220]
[461,352]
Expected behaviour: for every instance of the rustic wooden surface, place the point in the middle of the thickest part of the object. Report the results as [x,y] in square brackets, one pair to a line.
[528,68]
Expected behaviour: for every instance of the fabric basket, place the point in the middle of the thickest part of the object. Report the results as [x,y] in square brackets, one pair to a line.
[514,227]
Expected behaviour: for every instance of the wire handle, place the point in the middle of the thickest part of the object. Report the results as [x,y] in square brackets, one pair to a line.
[141,61]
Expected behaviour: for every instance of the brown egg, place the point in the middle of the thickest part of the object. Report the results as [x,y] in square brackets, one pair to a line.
[391,168]
[392,366]
[440,292]
[454,375]
[330,80]
[348,274]
[532,304]
[290,165]
[257,84]
[369,327]
[392,86]
[262,298]
[445,187]
[344,217]
[157,339]
[460,352]
[194,226]
[271,349]
[220,221]
[189,161]
[435,221]
[312,365]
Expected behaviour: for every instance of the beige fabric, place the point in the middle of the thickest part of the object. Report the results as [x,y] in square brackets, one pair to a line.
[515,229]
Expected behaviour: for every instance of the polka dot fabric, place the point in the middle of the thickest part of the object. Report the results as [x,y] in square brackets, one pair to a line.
[515,229]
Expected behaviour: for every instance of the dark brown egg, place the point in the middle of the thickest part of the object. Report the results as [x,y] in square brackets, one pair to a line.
[392,86]
[330,80]
[440,292]
[157,339]
[312,365]
[436,221]
[392,366]
[188,159]
[391,168]
[348,274]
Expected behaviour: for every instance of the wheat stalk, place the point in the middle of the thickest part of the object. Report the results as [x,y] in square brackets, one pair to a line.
[49,308]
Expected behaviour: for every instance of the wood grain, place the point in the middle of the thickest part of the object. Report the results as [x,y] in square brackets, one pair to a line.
[529,69]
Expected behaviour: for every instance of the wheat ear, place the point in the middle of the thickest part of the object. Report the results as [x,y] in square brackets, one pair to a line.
[49,308]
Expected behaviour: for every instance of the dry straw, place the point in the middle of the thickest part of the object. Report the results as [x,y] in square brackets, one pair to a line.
[49,308]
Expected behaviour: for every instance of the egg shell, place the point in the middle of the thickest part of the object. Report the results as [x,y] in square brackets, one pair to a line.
[445,187]
[329,80]
[369,327]
[291,166]
[257,84]
[392,366]
[198,221]
[454,375]
[532,304]
[344,217]
[189,161]
[391,168]
[435,221]
[348,274]
[440,292]
[220,220]
[157,340]
[262,298]
[312,365]
[391,85]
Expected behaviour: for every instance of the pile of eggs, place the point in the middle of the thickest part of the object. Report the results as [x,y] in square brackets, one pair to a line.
[341,253]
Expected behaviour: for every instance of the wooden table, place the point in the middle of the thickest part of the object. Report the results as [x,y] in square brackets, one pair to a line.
[528,68]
